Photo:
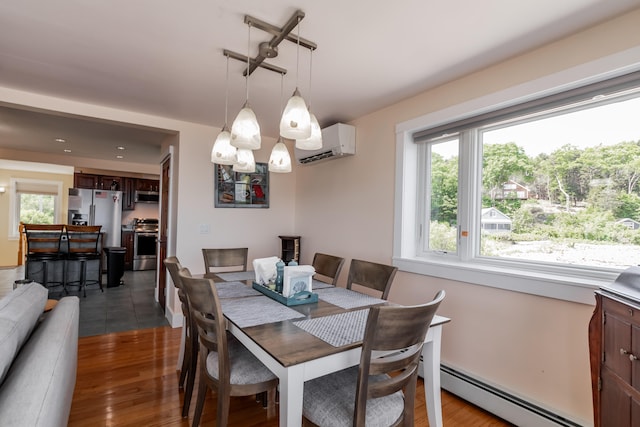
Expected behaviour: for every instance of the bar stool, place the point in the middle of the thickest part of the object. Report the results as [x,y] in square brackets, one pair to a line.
[43,246]
[84,246]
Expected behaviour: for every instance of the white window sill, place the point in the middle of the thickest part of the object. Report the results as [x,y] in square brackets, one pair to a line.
[566,287]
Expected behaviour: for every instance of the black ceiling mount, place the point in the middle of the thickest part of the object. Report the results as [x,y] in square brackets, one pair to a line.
[270,49]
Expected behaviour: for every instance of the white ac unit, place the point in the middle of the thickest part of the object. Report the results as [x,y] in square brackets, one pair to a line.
[338,141]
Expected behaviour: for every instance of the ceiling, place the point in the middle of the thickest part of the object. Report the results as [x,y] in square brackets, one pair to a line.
[164,57]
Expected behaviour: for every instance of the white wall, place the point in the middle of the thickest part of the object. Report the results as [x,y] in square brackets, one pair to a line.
[533,346]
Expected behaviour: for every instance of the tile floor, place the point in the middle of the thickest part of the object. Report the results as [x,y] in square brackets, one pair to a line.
[123,308]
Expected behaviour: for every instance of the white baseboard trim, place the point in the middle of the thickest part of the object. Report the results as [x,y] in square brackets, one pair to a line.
[174,319]
[501,403]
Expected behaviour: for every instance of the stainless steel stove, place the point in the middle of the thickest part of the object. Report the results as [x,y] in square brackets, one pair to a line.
[145,238]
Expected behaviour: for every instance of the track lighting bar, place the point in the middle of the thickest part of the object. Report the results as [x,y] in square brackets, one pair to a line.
[270,49]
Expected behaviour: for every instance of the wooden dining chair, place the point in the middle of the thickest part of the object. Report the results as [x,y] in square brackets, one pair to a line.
[84,246]
[226,366]
[381,390]
[328,266]
[190,334]
[224,259]
[371,275]
[44,247]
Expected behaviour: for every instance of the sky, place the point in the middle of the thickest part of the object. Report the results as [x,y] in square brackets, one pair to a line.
[607,125]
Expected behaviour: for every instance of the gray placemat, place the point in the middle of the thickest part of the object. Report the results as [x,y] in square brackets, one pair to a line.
[246,312]
[346,298]
[317,284]
[235,290]
[237,275]
[338,329]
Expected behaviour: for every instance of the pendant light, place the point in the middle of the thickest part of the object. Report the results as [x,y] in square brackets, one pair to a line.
[314,142]
[280,160]
[223,153]
[245,131]
[245,162]
[296,120]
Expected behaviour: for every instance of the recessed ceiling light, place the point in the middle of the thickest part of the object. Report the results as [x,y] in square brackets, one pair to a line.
[66,150]
[120,147]
[60,140]
[119,157]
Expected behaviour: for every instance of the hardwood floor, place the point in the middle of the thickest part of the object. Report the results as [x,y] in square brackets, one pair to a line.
[130,379]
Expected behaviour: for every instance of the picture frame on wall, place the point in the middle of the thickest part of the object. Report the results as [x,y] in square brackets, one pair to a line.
[240,189]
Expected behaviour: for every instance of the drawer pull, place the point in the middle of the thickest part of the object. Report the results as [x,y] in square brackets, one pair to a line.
[623,352]
[632,357]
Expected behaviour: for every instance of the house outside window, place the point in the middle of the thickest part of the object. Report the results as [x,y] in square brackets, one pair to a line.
[549,186]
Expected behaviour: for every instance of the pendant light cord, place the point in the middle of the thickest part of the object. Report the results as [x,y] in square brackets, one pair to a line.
[248,60]
[310,71]
[298,54]
[226,94]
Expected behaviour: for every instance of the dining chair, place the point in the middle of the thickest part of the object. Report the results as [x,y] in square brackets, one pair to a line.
[381,390]
[224,259]
[190,331]
[371,275]
[84,246]
[328,266]
[44,246]
[226,366]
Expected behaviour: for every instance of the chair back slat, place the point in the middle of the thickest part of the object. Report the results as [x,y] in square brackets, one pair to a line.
[328,266]
[225,259]
[371,275]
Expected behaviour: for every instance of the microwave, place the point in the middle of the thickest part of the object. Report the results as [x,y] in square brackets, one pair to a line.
[147,197]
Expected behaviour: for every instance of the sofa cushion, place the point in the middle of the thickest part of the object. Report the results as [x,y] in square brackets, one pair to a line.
[19,313]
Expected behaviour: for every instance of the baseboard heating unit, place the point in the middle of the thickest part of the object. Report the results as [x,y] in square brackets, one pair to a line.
[503,404]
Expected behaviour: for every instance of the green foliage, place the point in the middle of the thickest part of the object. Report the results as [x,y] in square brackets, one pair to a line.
[36,208]
[444,189]
[442,237]
[502,162]
[628,206]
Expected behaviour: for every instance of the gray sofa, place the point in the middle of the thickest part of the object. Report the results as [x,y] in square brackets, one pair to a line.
[38,358]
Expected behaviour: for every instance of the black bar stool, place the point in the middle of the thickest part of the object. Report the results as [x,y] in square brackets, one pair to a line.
[44,246]
[84,246]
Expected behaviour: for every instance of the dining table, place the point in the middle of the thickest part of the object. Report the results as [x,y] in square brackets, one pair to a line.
[302,342]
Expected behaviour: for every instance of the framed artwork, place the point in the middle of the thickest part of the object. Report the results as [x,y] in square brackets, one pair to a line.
[240,189]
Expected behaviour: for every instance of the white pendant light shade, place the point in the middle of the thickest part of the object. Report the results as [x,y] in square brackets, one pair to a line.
[280,160]
[296,121]
[223,153]
[245,161]
[314,142]
[245,130]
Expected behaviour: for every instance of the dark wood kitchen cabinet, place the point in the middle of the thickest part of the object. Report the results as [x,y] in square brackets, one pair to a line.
[127,243]
[84,180]
[128,194]
[147,185]
[614,344]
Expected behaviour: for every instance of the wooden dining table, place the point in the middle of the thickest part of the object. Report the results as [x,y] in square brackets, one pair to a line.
[303,342]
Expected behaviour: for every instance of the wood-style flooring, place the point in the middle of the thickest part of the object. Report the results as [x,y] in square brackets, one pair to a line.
[130,379]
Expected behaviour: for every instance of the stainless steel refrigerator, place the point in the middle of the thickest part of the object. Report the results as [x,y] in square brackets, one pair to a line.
[97,207]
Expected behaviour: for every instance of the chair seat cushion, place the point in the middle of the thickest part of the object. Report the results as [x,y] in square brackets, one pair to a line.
[245,367]
[330,401]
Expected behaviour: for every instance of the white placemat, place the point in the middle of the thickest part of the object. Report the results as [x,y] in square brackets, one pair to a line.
[235,290]
[346,298]
[338,329]
[317,284]
[237,275]
[246,312]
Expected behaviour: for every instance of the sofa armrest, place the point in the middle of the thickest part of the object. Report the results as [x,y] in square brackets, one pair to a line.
[38,389]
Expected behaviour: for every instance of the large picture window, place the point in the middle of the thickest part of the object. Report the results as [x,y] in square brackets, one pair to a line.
[545,188]
[35,202]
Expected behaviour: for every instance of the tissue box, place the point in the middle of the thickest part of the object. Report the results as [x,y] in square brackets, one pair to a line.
[297,279]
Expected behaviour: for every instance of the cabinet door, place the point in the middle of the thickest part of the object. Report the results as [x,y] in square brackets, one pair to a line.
[617,345]
[111,183]
[127,242]
[128,195]
[84,180]
[147,185]
[635,356]
[615,407]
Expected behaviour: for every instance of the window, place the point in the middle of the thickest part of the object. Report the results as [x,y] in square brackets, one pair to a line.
[539,193]
[34,201]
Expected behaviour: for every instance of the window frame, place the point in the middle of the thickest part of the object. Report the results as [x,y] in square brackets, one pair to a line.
[537,278]
[14,204]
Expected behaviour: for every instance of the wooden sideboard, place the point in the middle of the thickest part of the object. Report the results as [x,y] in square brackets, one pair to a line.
[614,347]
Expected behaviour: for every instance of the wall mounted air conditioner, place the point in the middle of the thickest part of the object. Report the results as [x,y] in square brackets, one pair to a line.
[338,141]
